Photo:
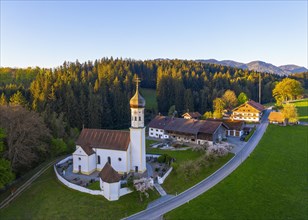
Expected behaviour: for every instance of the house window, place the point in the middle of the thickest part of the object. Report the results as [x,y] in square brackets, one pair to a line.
[120,159]
[98,159]
[151,133]
[156,129]
[109,160]
[151,129]
[139,118]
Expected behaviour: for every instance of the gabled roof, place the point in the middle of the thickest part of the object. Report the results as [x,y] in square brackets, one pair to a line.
[232,124]
[109,175]
[276,116]
[104,139]
[253,104]
[188,126]
[256,105]
[192,114]
[88,150]
[209,127]
[159,122]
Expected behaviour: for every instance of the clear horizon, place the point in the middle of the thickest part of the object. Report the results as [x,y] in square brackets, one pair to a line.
[46,34]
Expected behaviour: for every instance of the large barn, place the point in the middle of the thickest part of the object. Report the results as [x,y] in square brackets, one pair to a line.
[187,130]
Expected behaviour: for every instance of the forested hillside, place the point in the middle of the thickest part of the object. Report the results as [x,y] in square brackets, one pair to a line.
[96,94]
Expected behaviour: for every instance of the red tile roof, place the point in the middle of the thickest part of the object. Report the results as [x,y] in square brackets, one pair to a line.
[104,139]
[109,175]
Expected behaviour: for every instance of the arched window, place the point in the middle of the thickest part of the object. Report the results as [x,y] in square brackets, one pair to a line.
[139,118]
[109,160]
[98,159]
[135,118]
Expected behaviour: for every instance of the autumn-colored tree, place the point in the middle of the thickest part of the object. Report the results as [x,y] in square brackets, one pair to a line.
[27,137]
[18,99]
[229,99]
[242,98]
[286,90]
[218,105]
[207,115]
[3,99]
[289,112]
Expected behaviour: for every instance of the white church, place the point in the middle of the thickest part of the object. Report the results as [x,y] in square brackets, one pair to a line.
[113,152]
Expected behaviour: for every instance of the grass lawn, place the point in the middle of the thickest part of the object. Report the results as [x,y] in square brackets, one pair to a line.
[150,98]
[302,109]
[270,184]
[94,186]
[47,198]
[175,182]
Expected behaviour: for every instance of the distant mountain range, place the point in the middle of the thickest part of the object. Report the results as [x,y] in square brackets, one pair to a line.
[259,66]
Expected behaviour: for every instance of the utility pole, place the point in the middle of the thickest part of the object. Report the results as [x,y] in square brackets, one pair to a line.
[260,88]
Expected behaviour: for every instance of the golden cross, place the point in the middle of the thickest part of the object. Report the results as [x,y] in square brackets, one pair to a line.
[137,80]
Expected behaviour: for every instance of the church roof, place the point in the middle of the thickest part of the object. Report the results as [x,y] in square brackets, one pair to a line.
[137,101]
[104,139]
[88,150]
[109,175]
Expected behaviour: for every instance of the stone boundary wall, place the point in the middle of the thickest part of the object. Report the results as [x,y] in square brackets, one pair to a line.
[123,191]
[74,186]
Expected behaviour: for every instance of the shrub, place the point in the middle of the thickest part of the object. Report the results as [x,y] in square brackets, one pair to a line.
[58,146]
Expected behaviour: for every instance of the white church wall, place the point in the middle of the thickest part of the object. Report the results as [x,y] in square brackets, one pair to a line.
[91,163]
[118,159]
[80,161]
[111,190]
[137,138]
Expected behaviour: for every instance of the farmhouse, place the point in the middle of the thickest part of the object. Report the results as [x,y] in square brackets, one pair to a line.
[187,130]
[235,127]
[276,118]
[192,115]
[113,152]
[249,111]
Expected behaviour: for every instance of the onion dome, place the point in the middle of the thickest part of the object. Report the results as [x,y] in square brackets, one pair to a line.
[137,101]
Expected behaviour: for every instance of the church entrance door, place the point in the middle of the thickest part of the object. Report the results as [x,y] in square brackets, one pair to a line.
[136,169]
[79,168]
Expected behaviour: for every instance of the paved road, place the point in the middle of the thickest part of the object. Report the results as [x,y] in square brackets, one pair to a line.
[156,212]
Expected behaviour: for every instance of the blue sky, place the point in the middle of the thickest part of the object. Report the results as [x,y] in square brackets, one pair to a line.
[45,34]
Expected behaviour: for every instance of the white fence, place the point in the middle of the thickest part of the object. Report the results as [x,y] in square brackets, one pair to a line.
[162,179]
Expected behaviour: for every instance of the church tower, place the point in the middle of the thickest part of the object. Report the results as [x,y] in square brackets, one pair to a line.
[137,132]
